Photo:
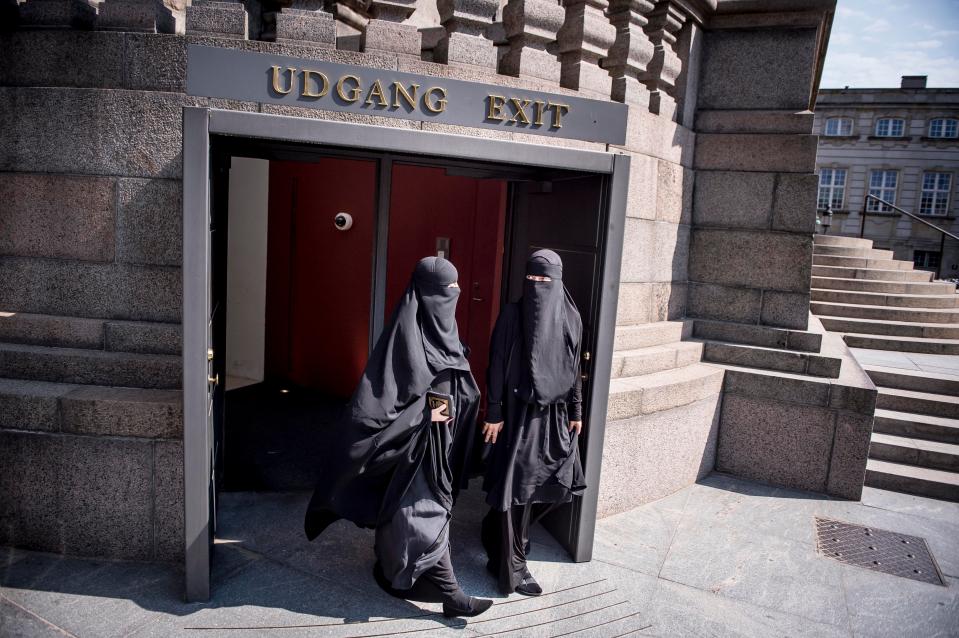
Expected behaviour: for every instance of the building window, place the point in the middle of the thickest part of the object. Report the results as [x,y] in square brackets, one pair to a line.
[882,184]
[944,127]
[935,193]
[832,188]
[925,259]
[838,126]
[890,127]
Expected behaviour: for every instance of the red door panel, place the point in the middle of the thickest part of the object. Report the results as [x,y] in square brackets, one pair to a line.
[320,278]
[426,204]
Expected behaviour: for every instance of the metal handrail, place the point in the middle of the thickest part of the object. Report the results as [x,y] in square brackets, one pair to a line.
[944,233]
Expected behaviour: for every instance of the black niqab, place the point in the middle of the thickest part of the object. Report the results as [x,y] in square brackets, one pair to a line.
[551,327]
[385,437]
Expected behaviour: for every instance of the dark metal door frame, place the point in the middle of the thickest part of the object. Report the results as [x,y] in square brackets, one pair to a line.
[199,124]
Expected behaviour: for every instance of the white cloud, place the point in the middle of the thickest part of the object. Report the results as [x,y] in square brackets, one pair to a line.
[850,13]
[880,25]
[928,44]
[869,71]
[946,33]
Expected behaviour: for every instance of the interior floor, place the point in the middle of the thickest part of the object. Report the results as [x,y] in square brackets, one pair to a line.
[274,434]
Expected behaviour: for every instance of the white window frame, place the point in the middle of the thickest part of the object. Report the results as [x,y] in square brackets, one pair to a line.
[882,190]
[936,194]
[890,127]
[945,123]
[843,127]
[832,187]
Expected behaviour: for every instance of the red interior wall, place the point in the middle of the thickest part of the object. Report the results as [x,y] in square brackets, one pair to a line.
[319,278]
[426,203]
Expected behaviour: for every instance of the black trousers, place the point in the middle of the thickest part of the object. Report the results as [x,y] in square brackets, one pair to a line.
[506,538]
[436,585]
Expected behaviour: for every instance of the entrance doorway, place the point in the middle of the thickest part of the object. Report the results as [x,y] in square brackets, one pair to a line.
[327,290]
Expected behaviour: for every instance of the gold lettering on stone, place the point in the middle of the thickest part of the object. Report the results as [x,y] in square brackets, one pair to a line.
[376,90]
[438,105]
[495,110]
[520,105]
[540,105]
[409,97]
[558,111]
[354,93]
[324,83]
[277,83]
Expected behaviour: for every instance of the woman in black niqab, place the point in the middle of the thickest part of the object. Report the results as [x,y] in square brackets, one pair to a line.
[533,417]
[395,465]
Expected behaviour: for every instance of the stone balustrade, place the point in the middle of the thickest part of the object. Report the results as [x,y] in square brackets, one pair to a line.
[662,71]
[631,52]
[466,23]
[585,38]
[531,26]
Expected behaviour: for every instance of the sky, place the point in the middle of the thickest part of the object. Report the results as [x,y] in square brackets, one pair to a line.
[874,42]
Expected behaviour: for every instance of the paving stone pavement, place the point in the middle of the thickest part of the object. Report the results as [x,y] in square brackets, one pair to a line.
[724,557]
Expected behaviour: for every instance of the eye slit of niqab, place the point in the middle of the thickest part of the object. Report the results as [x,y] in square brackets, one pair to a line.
[538,278]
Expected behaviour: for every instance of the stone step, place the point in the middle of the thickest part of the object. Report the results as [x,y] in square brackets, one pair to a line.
[772,359]
[901,449]
[754,335]
[950,300]
[917,402]
[91,367]
[633,396]
[902,344]
[912,480]
[880,274]
[658,333]
[917,426]
[858,325]
[885,313]
[98,334]
[848,251]
[631,363]
[90,409]
[860,262]
[919,288]
[839,240]
[917,380]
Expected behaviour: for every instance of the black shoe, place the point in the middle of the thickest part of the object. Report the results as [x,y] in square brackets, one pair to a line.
[475,607]
[528,586]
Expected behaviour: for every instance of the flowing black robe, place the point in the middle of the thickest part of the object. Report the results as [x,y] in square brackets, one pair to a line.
[536,457]
[387,466]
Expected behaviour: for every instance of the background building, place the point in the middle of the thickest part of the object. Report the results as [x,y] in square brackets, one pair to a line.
[898,144]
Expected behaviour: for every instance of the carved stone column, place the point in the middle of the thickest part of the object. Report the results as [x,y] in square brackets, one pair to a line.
[530,26]
[585,38]
[466,22]
[297,21]
[385,31]
[631,52]
[661,72]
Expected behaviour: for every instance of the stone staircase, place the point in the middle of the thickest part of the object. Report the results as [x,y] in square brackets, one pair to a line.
[915,440]
[654,370]
[89,376]
[879,302]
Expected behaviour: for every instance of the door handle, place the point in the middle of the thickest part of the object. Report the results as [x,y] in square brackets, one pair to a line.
[214,380]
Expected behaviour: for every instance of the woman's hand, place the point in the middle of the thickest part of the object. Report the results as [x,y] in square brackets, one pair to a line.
[437,416]
[576,425]
[491,431]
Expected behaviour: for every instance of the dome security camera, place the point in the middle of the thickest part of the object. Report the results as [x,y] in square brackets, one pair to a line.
[343,221]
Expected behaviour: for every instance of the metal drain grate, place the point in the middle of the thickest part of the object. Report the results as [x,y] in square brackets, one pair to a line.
[878,550]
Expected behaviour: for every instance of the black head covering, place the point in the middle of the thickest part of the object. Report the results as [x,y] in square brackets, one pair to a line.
[551,327]
[383,439]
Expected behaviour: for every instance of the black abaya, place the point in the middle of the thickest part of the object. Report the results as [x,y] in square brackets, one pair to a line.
[534,387]
[388,466]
